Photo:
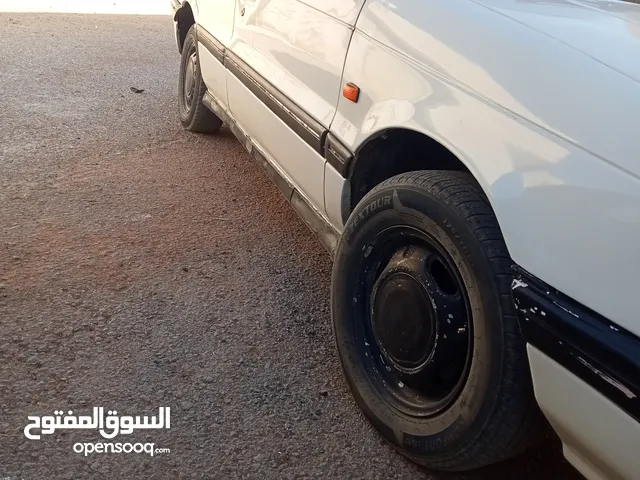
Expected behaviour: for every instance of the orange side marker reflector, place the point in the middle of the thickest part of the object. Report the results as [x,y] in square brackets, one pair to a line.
[351,92]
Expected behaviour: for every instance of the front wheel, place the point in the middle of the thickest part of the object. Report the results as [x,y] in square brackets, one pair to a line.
[425,323]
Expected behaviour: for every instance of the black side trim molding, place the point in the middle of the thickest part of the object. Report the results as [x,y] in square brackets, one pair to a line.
[307,127]
[302,123]
[337,154]
[327,234]
[210,43]
[601,353]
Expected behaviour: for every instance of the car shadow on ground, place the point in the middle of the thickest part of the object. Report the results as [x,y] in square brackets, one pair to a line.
[540,461]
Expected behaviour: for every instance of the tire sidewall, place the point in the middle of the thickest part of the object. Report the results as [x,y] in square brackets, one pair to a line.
[461,423]
[190,43]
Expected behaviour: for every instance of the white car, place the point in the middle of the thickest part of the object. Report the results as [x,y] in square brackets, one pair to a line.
[474,168]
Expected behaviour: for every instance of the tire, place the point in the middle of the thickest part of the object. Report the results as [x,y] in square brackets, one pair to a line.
[425,324]
[194,115]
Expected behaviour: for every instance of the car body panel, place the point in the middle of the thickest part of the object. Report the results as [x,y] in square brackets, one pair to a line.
[316,222]
[213,72]
[345,11]
[217,16]
[601,353]
[607,32]
[297,50]
[598,438]
[300,164]
[336,194]
[530,74]
[527,151]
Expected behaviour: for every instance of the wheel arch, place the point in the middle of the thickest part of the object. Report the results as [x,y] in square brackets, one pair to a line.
[392,151]
[184,18]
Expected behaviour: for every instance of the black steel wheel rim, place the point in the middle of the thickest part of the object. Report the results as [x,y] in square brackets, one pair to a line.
[412,321]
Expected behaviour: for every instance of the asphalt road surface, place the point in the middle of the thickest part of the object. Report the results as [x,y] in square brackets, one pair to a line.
[142,266]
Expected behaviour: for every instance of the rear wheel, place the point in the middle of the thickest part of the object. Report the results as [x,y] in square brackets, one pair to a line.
[425,324]
[194,115]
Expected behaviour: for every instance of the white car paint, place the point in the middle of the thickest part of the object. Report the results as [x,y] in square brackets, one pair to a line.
[217,16]
[302,166]
[335,188]
[300,50]
[345,11]
[214,75]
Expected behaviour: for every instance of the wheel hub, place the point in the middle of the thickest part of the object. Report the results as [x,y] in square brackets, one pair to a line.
[403,320]
[420,324]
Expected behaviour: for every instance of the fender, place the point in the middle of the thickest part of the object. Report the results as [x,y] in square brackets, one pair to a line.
[557,196]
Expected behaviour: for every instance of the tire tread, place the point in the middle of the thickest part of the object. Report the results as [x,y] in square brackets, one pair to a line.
[516,421]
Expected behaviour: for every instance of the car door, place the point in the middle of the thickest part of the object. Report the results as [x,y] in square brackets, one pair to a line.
[286,59]
[215,28]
